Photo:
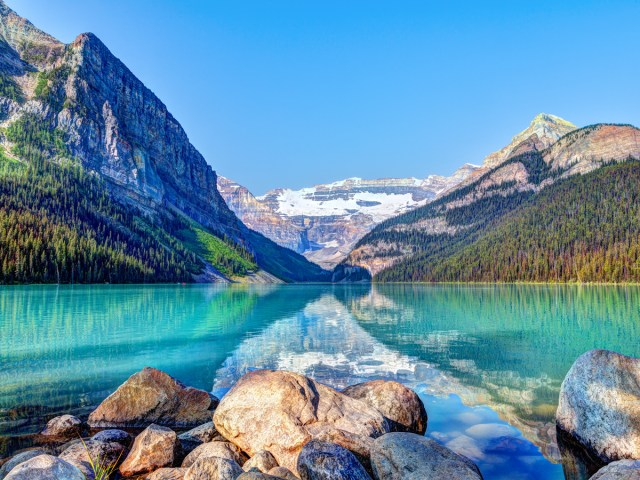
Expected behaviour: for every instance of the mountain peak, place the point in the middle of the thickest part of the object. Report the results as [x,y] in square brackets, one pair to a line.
[543,131]
[34,46]
[553,119]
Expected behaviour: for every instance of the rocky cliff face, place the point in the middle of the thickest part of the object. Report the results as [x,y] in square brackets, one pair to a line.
[325,221]
[550,149]
[115,126]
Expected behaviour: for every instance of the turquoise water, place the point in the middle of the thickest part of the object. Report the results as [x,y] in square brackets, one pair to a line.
[487,361]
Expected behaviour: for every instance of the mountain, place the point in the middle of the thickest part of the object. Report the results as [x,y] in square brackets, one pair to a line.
[107,178]
[535,214]
[325,221]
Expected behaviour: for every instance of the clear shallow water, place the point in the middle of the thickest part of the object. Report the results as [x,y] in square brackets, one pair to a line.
[486,360]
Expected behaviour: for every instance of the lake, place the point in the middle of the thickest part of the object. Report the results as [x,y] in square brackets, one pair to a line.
[487,361]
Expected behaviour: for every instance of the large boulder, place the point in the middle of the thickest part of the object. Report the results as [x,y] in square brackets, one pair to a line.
[17,460]
[263,461]
[282,411]
[407,456]
[167,474]
[82,455]
[151,396]
[620,470]
[213,468]
[45,467]
[327,461]
[154,448]
[400,405]
[215,449]
[197,436]
[66,426]
[599,404]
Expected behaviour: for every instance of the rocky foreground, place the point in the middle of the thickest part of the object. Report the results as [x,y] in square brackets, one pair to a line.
[282,425]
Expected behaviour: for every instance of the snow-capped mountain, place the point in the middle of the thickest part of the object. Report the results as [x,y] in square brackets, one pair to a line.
[325,221]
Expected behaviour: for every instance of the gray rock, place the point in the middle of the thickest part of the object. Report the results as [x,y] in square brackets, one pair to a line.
[263,461]
[281,411]
[154,448]
[327,461]
[167,474]
[81,455]
[282,472]
[407,456]
[257,476]
[197,436]
[620,470]
[17,460]
[63,426]
[599,404]
[213,468]
[400,405]
[152,396]
[45,467]
[215,449]
[113,435]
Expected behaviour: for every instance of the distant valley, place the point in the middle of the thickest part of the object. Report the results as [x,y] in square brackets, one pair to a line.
[324,222]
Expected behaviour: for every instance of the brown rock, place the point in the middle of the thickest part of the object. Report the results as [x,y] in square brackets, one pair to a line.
[154,448]
[400,405]
[215,449]
[280,411]
[167,474]
[152,396]
[213,468]
[263,461]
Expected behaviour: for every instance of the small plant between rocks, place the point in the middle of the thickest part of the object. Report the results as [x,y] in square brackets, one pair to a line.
[101,470]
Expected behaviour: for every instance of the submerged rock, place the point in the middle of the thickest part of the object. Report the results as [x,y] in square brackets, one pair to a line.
[407,456]
[63,426]
[213,468]
[17,460]
[327,461]
[154,448]
[152,396]
[400,405]
[599,404]
[280,411]
[82,454]
[215,449]
[263,461]
[45,467]
[620,470]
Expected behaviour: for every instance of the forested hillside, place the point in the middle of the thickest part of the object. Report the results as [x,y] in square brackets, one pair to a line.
[585,228]
[99,183]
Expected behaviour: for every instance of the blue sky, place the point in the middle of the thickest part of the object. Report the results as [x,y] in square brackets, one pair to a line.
[290,93]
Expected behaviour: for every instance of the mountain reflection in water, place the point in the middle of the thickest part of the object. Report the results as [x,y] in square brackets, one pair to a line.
[487,361]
